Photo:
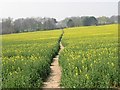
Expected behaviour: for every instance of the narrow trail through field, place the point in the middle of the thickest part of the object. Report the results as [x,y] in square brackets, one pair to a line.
[53,81]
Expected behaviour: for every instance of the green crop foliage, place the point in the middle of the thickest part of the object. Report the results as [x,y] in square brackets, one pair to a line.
[26,58]
[90,57]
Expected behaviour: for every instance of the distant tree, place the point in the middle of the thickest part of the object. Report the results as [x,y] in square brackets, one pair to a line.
[36,24]
[104,20]
[49,23]
[93,21]
[77,21]
[27,24]
[70,23]
[88,21]
[119,18]
[7,26]
[19,25]
[63,23]
[0,27]
[115,19]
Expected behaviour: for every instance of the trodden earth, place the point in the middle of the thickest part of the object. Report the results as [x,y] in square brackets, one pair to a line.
[53,81]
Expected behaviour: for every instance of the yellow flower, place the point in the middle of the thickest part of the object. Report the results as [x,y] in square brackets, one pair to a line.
[16,72]
[91,64]
[10,73]
[82,61]
[80,71]
[87,76]
[76,73]
[94,61]
[112,64]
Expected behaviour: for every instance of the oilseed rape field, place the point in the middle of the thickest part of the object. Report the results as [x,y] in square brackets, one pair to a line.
[90,57]
[26,58]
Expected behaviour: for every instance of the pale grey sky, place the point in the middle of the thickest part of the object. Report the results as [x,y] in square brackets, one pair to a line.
[57,9]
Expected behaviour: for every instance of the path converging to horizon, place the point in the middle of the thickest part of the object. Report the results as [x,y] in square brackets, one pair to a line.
[53,81]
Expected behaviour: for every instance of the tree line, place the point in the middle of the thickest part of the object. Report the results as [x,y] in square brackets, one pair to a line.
[8,25]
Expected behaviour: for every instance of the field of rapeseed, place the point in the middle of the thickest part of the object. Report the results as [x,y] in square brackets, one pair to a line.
[26,58]
[90,57]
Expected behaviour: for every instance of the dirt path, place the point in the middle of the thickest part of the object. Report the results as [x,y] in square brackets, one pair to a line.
[53,80]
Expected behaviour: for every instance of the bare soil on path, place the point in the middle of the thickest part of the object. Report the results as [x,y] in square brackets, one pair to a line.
[53,81]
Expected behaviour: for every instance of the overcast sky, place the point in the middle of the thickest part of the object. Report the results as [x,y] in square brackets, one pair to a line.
[58,9]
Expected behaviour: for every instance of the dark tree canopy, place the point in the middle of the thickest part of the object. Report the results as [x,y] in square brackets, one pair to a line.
[49,24]
[88,21]
[70,23]
[93,21]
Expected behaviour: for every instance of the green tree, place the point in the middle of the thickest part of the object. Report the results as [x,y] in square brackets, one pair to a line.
[70,23]
[103,20]
[88,21]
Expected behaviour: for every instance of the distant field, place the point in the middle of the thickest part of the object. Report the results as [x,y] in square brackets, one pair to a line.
[26,58]
[90,57]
